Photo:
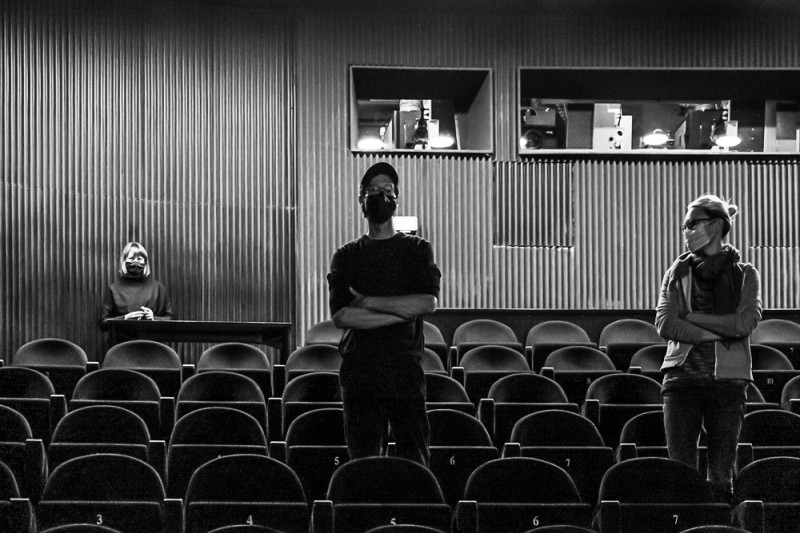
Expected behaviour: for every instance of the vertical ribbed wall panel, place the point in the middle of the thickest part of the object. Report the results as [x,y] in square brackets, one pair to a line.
[165,123]
[626,212]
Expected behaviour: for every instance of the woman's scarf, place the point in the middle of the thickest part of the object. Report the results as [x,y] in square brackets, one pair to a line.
[721,270]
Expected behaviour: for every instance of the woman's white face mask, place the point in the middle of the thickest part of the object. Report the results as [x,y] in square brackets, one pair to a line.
[698,238]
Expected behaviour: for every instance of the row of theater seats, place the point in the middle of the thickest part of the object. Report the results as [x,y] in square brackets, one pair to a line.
[619,339]
[220,471]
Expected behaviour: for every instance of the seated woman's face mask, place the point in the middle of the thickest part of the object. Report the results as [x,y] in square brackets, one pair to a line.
[135,266]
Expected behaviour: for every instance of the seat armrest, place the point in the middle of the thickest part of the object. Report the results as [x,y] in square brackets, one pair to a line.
[187,370]
[91,366]
[529,356]
[279,379]
[486,414]
[744,454]
[512,449]
[467,516]
[277,450]
[749,515]
[275,418]
[58,408]
[173,515]
[635,370]
[626,450]
[21,515]
[167,416]
[322,516]
[452,358]
[794,405]
[548,372]
[457,373]
[157,457]
[35,468]
[591,410]
[608,517]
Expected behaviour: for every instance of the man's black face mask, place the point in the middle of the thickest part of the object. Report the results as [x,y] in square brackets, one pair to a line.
[379,208]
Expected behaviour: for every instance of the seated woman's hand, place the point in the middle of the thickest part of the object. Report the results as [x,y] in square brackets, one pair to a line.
[134,315]
[147,313]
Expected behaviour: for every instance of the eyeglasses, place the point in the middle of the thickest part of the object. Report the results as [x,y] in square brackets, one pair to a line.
[692,224]
[388,189]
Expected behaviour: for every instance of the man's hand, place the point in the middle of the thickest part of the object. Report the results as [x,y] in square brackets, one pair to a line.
[358,298]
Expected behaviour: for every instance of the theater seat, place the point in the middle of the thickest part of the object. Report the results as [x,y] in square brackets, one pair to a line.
[155,360]
[246,490]
[575,368]
[114,490]
[30,393]
[657,495]
[434,341]
[205,434]
[624,337]
[374,491]
[324,332]
[443,392]
[512,494]
[547,336]
[767,496]
[16,513]
[62,361]
[459,443]
[481,332]
[516,395]
[567,440]
[768,433]
[481,366]
[647,361]
[771,371]
[781,334]
[239,358]
[304,393]
[23,454]
[313,358]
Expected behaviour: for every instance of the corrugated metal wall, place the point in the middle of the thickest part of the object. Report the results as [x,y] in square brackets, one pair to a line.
[161,122]
[625,211]
[176,123]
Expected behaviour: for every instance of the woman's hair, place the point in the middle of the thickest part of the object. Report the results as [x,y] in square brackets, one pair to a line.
[716,207]
[136,247]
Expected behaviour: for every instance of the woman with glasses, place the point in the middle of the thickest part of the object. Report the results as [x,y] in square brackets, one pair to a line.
[709,304]
[136,295]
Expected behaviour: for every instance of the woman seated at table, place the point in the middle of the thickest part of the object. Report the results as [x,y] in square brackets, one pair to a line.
[136,295]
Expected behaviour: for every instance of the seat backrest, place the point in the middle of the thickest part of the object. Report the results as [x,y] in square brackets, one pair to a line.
[431,362]
[483,330]
[220,386]
[772,479]
[571,358]
[431,333]
[526,387]
[791,391]
[629,330]
[556,331]
[116,384]
[775,330]
[449,427]
[769,358]
[324,332]
[81,528]
[141,353]
[320,427]
[218,425]
[384,480]
[645,429]
[771,427]
[625,389]
[494,358]
[555,427]
[441,388]
[101,423]
[14,427]
[104,477]
[21,382]
[315,357]
[754,395]
[521,480]
[404,528]
[313,387]
[50,351]
[244,478]
[654,480]
[8,483]
[649,358]
[233,356]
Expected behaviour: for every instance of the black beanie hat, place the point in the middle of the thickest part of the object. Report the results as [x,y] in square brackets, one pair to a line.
[376,170]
